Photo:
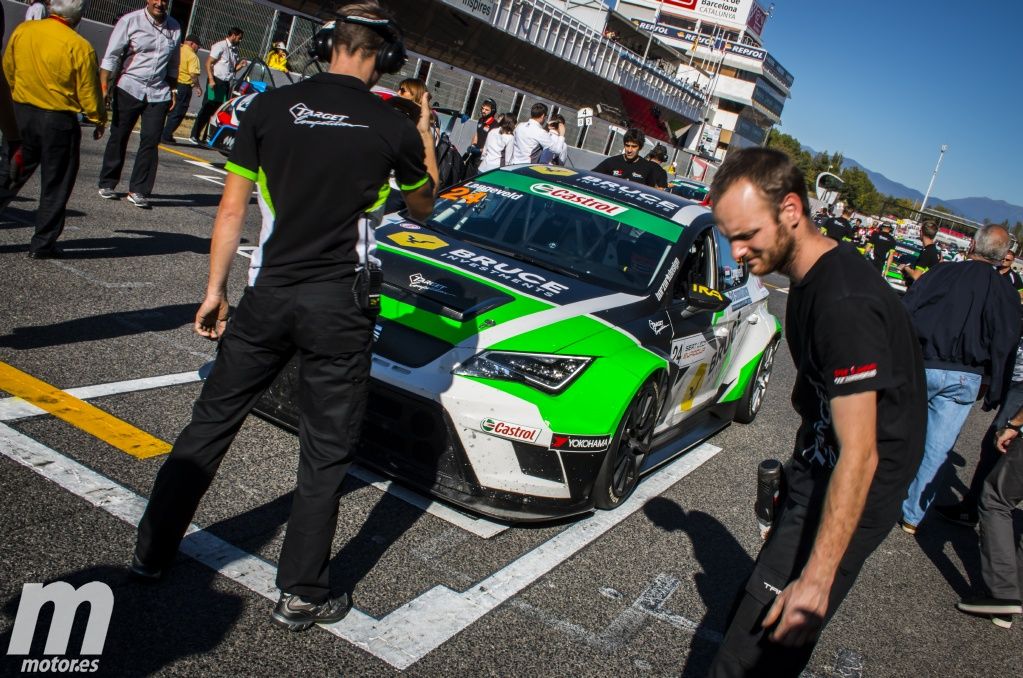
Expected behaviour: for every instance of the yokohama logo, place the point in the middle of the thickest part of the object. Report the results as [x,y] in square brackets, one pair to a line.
[854,373]
[587,443]
[508,430]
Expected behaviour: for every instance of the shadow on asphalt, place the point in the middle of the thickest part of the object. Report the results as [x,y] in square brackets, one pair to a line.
[151,243]
[187,200]
[724,568]
[103,326]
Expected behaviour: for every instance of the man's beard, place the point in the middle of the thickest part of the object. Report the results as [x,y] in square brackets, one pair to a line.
[780,257]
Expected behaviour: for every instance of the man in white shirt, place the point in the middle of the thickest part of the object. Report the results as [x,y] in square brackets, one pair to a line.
[144,51]
[221,65]
[532,138]
[36,10]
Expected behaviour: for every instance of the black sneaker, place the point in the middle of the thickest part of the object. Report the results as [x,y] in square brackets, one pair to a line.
[295,614]
[958,514]
[142,572]
[990,606]
[52,253]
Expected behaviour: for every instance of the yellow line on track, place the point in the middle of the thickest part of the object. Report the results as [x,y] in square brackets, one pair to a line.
[189,156]
[80,414]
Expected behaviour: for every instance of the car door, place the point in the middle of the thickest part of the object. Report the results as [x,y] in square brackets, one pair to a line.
[700,338]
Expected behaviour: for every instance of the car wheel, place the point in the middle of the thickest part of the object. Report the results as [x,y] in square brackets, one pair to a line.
[753,398]
[620,472]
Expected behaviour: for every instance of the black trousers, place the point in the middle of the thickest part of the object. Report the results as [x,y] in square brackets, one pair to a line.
[175,117]
[746,649]
[211,101]
[332,338]
[1001,559]
[50,140]
[127,111]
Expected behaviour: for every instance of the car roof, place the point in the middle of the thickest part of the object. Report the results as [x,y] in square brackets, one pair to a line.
[630,194]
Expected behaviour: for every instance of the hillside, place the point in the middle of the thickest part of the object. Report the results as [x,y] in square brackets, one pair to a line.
[976,208]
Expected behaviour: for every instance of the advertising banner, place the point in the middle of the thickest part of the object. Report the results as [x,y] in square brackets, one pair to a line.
[484,10]
[707,41]
[757,19]
[728,11]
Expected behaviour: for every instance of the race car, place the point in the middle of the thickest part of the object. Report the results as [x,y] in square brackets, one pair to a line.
[550,335]
[256,79]
[689,189]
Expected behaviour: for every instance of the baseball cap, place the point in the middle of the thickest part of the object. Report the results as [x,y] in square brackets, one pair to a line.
[279,45]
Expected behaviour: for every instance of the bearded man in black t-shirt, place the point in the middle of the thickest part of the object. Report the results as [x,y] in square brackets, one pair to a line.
[861,396]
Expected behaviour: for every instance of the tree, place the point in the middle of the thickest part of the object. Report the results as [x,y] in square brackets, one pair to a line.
[860,191]
[943,209]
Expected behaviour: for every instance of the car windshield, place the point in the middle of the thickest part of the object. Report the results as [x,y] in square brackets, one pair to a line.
[548,232]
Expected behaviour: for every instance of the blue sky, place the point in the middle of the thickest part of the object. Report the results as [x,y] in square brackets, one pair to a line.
[888,82]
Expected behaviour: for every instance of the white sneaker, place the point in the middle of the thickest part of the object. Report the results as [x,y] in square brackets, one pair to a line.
[138,200]
[107,194]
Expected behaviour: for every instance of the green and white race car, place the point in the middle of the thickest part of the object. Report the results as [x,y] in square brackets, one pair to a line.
[550,335]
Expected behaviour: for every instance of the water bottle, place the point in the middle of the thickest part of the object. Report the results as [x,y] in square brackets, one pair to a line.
[768,494]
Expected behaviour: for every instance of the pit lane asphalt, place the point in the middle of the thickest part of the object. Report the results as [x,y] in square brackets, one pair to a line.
[119,307]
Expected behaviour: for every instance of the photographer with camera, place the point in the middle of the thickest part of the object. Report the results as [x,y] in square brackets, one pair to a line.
[314,293]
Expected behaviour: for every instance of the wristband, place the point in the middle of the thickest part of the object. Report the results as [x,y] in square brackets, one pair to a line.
[1009,426]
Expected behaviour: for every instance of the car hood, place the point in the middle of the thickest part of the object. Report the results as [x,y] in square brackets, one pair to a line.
[441,293]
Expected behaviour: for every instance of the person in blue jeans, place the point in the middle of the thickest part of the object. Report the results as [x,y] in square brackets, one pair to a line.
[965,512]
[967,318]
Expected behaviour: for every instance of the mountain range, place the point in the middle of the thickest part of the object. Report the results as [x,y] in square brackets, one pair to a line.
[976,209]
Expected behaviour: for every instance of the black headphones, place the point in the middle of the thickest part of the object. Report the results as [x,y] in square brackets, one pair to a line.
[390,57]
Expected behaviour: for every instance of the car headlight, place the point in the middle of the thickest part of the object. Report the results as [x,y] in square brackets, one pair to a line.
[547,372]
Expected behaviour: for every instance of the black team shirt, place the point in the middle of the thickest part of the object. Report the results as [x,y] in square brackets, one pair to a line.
[883,244]
[321,152]
[929,257]
[640,170]
[849,333]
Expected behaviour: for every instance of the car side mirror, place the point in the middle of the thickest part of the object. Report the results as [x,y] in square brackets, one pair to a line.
[701,298]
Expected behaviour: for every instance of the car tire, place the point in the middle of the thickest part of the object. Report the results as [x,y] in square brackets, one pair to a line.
[751,401]
[619,473]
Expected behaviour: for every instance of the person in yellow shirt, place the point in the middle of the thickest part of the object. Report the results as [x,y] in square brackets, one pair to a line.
[277,57]
[188,84]
[54,76]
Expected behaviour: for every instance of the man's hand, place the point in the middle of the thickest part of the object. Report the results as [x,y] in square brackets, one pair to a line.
[211,319]
[1004,438]
[97,133]
[799,611]
[174,101]
[196,89]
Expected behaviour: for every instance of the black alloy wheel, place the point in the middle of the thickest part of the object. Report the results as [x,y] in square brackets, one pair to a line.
[619,474]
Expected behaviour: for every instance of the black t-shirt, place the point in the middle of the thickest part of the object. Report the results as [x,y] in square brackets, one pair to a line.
[849,333]
[838,228]
[930,256]
[883,244]
[483,127]
[660,176]
[640,170]
[321,152]
[1015,279]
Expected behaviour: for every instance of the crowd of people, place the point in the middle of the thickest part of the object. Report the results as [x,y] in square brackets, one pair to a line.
[883,386]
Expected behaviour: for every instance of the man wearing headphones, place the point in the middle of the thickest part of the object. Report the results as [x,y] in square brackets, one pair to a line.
[313,292]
